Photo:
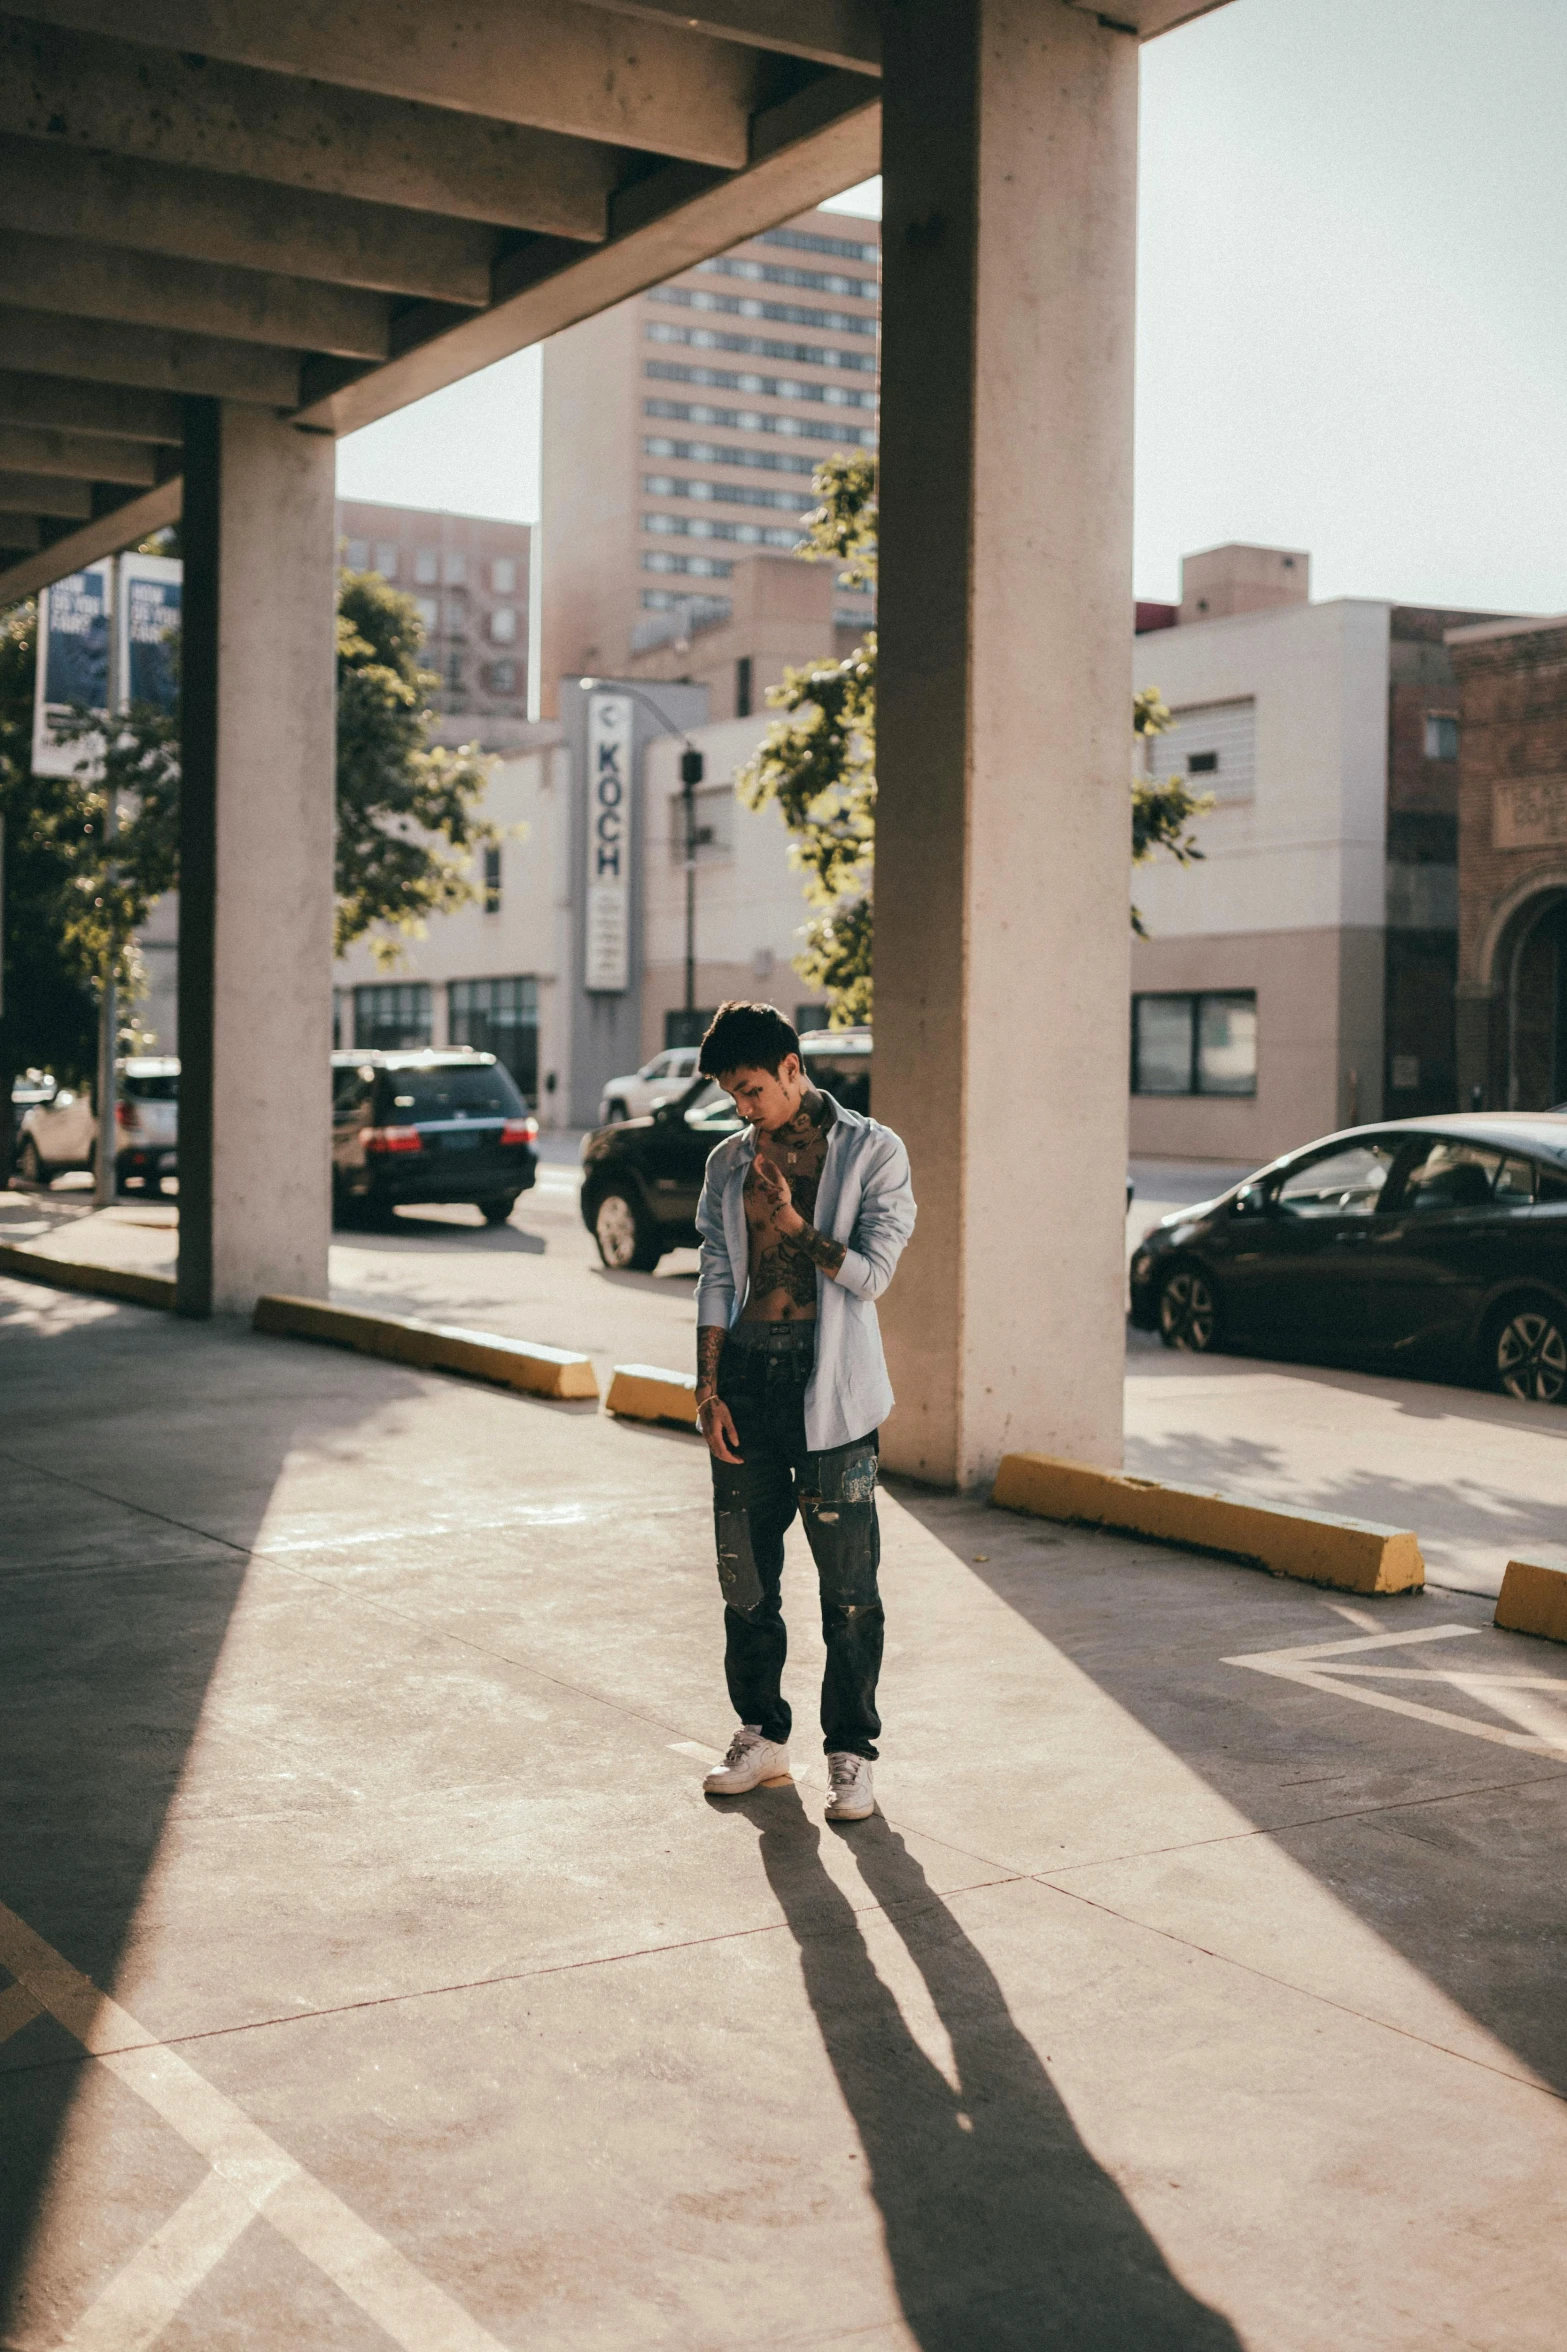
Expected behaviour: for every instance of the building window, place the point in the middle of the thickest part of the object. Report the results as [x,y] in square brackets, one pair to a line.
[704,567]
[1441,736]
[492,879]
[429,613]
[499,1017]
[1202,1044]
[503,576]
[456,568]
[811,1016]
[386,558]
[683,1028]
[502,677]
[427,566]
[358,560]
[503,624]
[454,673]
[712,822]
[743,687]
[392,1015]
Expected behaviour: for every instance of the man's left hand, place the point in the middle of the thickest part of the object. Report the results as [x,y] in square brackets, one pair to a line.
[773,1186]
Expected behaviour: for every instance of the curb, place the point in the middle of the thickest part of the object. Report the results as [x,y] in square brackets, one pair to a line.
[432,1347]
[1352,1555]
[645,1392]
[116,1282]
[1533,1600]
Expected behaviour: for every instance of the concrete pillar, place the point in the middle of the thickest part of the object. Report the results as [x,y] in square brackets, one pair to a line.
[255,973]
[1004,721]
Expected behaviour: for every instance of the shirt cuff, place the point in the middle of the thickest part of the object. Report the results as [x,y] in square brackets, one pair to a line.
[854,1274]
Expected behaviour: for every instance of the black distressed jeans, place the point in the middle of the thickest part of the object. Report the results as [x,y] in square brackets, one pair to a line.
[762,1378]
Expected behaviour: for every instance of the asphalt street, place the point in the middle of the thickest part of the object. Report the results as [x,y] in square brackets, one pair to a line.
[1478,1477]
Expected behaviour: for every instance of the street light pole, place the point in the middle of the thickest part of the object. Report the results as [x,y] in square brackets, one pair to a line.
[693,767]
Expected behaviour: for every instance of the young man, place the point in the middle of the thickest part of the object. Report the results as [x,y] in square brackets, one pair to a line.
[803,1217]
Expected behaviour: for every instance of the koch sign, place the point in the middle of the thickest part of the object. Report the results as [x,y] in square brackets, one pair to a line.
[607,930]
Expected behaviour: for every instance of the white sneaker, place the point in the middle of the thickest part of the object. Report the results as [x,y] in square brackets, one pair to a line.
[850,1796]
[752,1762]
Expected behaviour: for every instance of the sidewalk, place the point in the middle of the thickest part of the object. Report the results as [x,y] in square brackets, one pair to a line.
[356,1721]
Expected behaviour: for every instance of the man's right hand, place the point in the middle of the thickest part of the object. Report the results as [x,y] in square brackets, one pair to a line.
[717,1425]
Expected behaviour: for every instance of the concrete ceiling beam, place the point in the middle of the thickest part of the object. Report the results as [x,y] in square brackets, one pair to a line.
[209,216]
[844,33]
[56,403]
[193,297]
[47,344]
[19,535]
[45,494]
[547,64]
[83,457]
[1146,18]
[109,531]
[75,92]
[804,153]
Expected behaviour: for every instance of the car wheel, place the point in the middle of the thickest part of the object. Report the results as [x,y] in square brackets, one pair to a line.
[497,1211]
[624,1236]
[1188,1311]
[1527,1352]
[28,1165]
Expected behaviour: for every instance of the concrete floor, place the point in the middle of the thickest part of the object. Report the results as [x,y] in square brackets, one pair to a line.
[1479,1478]
[355,1721]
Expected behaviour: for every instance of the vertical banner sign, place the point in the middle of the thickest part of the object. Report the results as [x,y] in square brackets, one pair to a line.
[73,665]
[607,931]
[148,619]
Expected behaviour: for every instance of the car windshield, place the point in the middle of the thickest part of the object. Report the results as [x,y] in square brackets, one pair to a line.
[1343,1183]
[449,1092]
[142,1086]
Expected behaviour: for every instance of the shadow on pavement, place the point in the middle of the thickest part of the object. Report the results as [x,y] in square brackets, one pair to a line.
[138,1456]
[1003,2233]
[1449,1851]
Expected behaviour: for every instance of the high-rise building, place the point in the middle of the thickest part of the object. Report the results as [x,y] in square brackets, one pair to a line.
[681,431]
[469,577]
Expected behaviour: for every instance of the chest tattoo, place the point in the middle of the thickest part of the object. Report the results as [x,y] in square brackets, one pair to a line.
[784,1266]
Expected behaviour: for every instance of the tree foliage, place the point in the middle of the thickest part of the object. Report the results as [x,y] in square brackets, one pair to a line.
[817,764]
[399,799]
[48,1013]
[408,824]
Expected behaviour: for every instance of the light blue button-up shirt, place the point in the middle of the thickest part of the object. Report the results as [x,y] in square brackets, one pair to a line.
[864,1199]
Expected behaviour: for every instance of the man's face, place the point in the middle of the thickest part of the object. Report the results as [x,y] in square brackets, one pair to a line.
[768,1101]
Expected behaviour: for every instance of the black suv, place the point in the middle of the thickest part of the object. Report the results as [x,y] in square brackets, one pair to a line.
[428,1127]
[642,1177]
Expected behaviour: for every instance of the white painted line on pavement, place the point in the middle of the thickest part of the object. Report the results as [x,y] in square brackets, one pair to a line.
[137,2305]
[410,2308]
[1327,1666]
[17,2008]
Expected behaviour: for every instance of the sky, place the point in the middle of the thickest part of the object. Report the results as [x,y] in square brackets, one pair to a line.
[1352,328]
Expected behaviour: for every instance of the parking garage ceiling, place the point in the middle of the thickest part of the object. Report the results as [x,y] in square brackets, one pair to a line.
[334,207]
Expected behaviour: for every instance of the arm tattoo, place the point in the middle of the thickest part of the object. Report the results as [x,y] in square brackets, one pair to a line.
[821,1251]
[709,1347]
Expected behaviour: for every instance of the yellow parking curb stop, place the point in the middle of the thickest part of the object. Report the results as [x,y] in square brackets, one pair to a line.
[116,1282]
[432,1347]
[1533,1599]
[646,1392]
[1354,1555]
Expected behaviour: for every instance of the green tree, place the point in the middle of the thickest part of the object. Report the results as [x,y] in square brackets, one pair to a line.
[408,825]
[817,765]
[48,1010]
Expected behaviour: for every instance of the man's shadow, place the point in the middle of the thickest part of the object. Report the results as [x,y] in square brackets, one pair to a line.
[1004,2233]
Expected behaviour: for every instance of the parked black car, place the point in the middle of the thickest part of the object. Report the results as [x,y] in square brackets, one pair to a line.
[428,1127]
[642,1177]
[1440,1244]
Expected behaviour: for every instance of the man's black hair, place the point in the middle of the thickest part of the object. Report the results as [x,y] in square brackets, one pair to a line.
[746,1037]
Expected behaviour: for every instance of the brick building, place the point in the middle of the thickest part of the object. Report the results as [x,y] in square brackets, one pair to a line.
[468,574]
[1512,863]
